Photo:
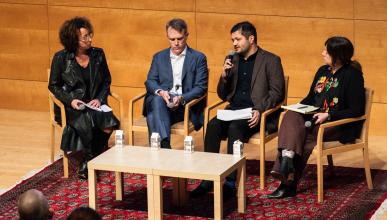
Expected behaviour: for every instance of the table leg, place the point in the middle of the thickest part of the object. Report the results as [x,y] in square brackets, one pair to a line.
[218,200]
[175,191]
[92,189]
[182,191]
[119,186]
[150,196]
[241,188]
[158,197]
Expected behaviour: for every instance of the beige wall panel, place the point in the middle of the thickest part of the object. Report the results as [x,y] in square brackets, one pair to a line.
[23,95]
[302,8]
[298,41]
[370,9]
[371,44]
[40,2]
[169,5]
[23,44]
[129,37]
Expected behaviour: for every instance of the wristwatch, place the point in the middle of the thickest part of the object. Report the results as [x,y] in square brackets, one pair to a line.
[329,117]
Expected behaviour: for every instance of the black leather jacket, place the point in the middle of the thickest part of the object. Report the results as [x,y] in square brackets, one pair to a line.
[67,84]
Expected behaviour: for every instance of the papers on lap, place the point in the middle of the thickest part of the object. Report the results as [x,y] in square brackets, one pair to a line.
[301,108]
[230,115]
[103,108]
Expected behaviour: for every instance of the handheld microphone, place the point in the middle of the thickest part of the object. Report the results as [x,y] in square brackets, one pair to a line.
[310,123]
[230,55]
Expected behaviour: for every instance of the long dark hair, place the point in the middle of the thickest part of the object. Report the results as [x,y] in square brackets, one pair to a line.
[69,32]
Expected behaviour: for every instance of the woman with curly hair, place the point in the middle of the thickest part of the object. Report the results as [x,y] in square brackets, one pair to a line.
[338,91]
[80,75]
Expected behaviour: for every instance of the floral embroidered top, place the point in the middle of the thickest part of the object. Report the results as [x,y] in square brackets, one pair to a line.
[341,94]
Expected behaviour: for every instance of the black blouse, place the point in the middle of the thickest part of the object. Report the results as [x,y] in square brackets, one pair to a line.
[342,94]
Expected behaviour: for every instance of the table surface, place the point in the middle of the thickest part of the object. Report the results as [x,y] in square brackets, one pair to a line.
[166,162]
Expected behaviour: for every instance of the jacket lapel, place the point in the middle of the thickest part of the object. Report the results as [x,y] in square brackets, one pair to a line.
[257,66]
[167,61]
[186,64]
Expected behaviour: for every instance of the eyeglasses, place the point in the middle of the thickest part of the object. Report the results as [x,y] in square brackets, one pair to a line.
[86,37]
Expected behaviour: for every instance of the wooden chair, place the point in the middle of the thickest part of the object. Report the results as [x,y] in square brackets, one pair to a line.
[54,124]
[323,149]
[140,125]
[259,138]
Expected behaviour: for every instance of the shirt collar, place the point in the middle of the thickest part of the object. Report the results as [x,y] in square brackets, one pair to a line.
[173,56]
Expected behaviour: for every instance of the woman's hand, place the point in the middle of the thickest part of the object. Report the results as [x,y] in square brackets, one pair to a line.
[320,117]
[76,103]
[95,103]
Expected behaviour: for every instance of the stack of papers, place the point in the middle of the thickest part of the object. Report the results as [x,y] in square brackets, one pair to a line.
[301,108]
[102,108]
[230,115]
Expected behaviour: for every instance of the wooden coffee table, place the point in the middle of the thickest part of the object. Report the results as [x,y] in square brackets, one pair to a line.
[173,163]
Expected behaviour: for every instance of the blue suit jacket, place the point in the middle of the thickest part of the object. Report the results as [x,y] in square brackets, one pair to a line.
[194,80]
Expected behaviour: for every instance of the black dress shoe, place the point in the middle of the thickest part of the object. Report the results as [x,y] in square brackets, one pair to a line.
[283,191]
[203,188]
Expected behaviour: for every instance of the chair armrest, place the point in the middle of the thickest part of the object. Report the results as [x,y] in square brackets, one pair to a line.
[207,112]
[323,126]
[121,105]
[52,99]
[186,111]
[264,115]
[131,107]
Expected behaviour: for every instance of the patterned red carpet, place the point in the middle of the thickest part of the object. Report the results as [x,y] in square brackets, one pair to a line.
[346,196]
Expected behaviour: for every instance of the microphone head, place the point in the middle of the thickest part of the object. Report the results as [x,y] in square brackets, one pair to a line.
[231,53]
[81,106]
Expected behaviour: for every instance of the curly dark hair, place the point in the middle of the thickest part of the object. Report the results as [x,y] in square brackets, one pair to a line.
[69,32]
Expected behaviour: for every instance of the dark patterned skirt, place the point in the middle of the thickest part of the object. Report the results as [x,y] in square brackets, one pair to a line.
[85,126]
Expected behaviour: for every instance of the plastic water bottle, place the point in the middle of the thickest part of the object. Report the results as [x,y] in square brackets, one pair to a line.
[237,148]
[119,138]
[189,146]
[155,141]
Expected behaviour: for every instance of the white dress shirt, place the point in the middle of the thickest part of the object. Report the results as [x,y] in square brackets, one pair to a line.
[177,62]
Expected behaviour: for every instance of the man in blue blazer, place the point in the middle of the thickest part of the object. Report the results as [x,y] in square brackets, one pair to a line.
[177,75]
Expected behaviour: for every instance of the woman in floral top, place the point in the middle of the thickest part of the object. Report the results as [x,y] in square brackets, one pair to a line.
[338,91]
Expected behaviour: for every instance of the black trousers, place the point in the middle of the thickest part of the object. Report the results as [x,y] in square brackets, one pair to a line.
[218,130]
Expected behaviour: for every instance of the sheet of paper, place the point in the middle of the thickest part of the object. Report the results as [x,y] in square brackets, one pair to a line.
[230,115]
[105,108]
[301,108]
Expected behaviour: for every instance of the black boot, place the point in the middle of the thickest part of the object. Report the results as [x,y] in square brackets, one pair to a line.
[100,142]
[87,156]
[286,170]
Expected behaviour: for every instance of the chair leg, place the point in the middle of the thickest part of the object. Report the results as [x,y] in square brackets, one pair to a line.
[65,165]
[320,180]
[330,165]
[52,143]
[367,168]
[130,137]
[262,164]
